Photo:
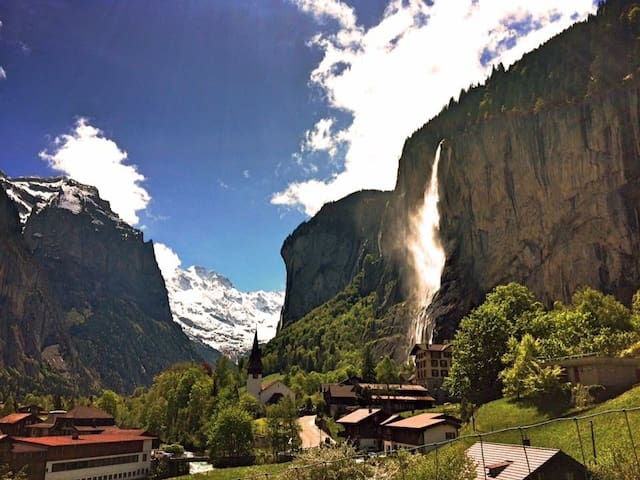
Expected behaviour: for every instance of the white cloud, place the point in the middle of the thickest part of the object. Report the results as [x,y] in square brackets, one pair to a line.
[88,157]
[167,259]
[246,173]
[3,73]
[320,138]
[393,77]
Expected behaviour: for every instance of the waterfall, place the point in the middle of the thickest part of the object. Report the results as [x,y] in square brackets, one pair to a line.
[427,253]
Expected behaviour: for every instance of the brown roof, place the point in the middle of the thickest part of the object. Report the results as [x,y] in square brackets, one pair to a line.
[358,415]
[391,419]
[422,421]
[430,347]
[395,386]
[14,418]
[404,398]
[339,391]
[87,413]
[41,425]
[496,454]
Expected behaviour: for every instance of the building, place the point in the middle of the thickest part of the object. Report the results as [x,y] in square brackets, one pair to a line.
[419,430]
[17,423]
[362,428]
[518,462]
[393,398]
[616,375]
[433,362]
[265,394]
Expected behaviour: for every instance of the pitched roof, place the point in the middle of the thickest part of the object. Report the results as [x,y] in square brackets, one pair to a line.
[358,415]
[404,398]
[391,419]
[421,421]
[254,366]
[517,467]
[14,418]
[87,413]
[431,347]
[340,391]
[67,440]
[395,386]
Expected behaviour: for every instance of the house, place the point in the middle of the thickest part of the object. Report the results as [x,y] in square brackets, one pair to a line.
[391,397]
[83,419]
[265,394]
[433,363]
[615,374]
[17,423]
[419,430]
[362,428]
[518,462]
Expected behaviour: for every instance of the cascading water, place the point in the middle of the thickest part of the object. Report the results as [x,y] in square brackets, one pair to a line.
[427,252]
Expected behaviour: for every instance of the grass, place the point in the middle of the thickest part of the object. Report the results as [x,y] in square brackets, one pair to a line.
[238,472]
[570,435]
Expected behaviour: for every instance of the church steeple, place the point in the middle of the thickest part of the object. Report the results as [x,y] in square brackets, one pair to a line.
[255,359]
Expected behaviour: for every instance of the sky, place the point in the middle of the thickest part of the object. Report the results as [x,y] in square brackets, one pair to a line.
[218,126]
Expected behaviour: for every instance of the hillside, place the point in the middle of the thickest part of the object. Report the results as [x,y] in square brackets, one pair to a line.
[92,298]
[538,184]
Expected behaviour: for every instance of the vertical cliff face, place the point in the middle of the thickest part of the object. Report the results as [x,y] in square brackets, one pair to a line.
[102,276]
[539,181]
[30,319]
[324,254]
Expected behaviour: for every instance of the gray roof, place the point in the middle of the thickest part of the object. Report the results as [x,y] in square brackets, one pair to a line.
[518,469]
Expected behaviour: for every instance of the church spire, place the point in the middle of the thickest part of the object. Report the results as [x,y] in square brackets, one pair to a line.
[255,359]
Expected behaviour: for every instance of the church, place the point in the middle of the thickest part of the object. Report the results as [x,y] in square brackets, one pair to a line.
[266,394]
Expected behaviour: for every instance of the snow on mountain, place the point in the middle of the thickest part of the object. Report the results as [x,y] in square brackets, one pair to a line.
[32,194]
[210,309]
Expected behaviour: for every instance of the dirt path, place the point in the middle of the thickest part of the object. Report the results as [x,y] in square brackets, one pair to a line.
[310,434]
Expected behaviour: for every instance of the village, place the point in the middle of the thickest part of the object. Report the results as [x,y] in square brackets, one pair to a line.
[376,419]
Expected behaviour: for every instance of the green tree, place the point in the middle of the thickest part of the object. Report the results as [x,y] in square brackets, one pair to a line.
[520,360]
[368,369]
[387,371]
[231,434]
[112,403]
[9,406]
[282,426]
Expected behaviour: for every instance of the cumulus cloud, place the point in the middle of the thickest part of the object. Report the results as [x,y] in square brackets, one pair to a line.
[167,259]
[87,156]
[391,78]
[3,73]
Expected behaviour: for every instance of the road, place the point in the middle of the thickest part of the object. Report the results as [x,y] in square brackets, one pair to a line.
[310,435]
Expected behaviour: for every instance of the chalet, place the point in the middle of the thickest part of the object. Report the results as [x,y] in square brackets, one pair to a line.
[362,428]
[391,397]
[84,419]
[433,363]
[17,423]
[265,394]
[616,375]
[419,431]
[518,462]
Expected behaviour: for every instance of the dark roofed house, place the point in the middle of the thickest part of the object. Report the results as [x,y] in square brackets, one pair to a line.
[419,431]
[17,423]
[433,363]
[517,462]
[362,428]
[90,417]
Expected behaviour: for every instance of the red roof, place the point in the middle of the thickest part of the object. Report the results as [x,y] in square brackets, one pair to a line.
[66,440]
[14,418]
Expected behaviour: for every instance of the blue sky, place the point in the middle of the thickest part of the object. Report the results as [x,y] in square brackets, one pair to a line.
[243,116]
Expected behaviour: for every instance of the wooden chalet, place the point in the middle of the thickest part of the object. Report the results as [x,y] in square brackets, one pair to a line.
[519,462]
[419,431]
[17,423]
[362,428]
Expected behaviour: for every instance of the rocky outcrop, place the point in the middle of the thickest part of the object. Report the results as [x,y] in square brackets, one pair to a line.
[103,277]
[539,184]
[323,254]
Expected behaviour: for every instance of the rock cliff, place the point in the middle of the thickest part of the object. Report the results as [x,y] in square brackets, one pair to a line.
[539,183]
[104,290]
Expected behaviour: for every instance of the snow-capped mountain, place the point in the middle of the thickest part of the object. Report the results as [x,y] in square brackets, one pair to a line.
[210,309]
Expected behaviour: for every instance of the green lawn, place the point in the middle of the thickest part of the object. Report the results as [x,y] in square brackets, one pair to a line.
[609,430]
[238,472]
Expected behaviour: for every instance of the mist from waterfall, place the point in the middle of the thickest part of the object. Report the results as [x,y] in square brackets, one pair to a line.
[428,256]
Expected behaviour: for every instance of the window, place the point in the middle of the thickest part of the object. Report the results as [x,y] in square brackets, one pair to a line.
[435,354]
[443,363]
[434,373]
[434,363]
[144,457]
[450,435]
[444,373]
[447,354]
